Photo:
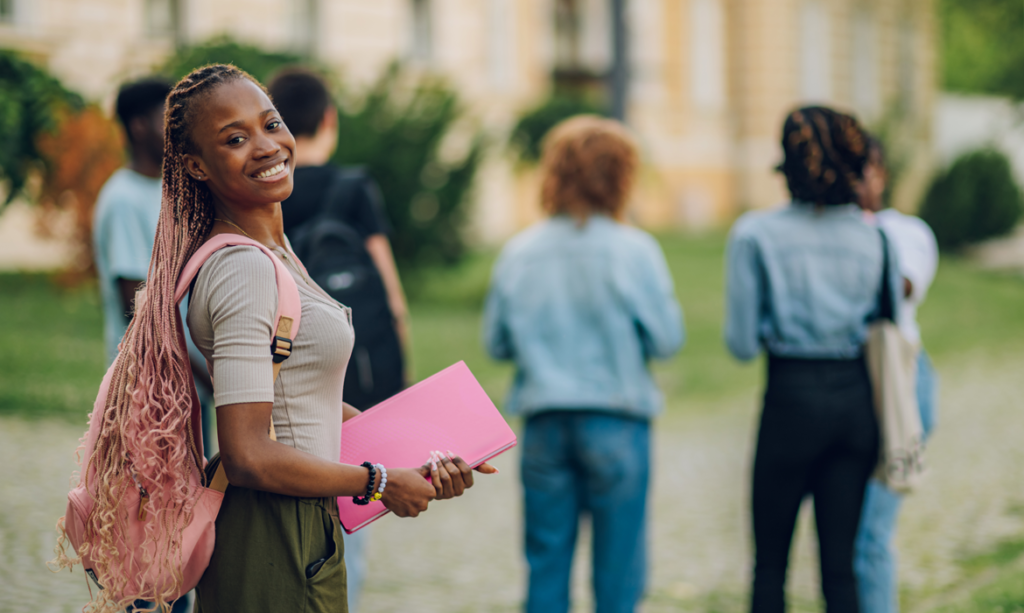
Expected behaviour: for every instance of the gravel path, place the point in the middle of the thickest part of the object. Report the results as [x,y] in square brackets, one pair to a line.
[465,556]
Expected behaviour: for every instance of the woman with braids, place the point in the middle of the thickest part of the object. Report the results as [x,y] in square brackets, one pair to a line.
[803,282]
[228,164]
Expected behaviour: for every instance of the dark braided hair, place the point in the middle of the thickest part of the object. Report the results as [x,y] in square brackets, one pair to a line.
[825,155]
[146,419]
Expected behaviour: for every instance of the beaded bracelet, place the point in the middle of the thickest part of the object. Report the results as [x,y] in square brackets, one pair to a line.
[383,482]
[365,500]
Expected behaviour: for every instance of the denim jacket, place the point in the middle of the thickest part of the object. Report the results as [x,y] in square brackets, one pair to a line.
[805,282]
[581,309]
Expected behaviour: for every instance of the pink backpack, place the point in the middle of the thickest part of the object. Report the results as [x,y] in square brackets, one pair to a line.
[198,536]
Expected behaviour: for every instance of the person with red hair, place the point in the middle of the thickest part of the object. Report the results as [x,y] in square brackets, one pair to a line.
[581,303]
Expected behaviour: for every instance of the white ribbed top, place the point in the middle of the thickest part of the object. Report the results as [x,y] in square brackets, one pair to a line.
[230,318]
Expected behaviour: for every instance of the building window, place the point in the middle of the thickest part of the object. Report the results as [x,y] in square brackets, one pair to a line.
[421,46]
[865,59]
[815,52]
[707,54]
[501,43]
[163,18]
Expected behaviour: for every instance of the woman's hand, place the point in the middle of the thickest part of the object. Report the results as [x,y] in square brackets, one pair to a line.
[407,493]
[451,476]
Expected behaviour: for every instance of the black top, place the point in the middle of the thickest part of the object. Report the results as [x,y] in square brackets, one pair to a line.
[365,214]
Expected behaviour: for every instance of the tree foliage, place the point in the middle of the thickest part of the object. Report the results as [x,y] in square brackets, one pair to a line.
[528,135]
[976,199]
[257,61]
[30,101]
[412,135]
[983,46]
[81,154]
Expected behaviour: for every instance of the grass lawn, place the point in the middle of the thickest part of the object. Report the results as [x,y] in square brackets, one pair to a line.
[52,358]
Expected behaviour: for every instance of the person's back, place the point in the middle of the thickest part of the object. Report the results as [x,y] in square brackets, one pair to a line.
[354,263]
[580,303]
[819,270]
[803,283]
[585,305]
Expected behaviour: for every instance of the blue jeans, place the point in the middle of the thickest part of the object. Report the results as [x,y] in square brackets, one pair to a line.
[576,462]
[875,558]
[355,565]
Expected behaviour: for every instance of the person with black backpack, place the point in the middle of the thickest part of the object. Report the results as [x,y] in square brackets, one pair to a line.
[337,227]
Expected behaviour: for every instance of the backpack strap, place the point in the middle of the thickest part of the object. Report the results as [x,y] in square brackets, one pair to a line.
[286,320]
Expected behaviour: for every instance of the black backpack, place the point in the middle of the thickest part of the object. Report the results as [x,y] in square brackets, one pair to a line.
[336,258]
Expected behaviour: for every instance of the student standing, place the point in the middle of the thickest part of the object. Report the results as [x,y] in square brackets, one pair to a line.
[803,282]
[228,163]
[918,253]
[581,303]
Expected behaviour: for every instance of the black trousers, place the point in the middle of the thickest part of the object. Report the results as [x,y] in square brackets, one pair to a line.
[818,437]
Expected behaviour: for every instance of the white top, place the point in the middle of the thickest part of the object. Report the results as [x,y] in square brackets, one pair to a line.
[231,317]
[918,254]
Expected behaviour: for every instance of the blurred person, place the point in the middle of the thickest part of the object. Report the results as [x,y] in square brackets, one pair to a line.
[127,211]
[349,196]
[803,283]
[581,303]
[918,254]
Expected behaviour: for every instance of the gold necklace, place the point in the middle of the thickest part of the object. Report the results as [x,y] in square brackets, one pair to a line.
[231,223]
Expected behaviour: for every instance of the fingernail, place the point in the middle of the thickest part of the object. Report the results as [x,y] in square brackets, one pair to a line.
[496,471]
[450,454]
[433,465]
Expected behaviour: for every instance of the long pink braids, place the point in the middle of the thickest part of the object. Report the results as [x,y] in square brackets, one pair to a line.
[146,427]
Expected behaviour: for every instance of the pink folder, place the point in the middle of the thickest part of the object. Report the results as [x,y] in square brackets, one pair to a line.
[446,411]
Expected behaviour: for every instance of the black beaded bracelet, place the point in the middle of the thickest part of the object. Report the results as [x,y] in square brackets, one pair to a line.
[365,500]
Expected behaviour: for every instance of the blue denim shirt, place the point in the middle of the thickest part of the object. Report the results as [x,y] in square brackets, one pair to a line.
[804,282]
[581,309]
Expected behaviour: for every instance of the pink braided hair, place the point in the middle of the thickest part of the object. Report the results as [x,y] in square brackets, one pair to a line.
[146,427]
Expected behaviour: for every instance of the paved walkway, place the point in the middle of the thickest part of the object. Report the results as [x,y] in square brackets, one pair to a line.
[464,556]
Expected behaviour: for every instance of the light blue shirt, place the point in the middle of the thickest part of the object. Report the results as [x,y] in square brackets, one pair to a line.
[581,309]
[805,282]
[124,228]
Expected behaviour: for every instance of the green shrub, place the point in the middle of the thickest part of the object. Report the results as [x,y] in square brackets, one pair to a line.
[531,128]
[30,102]
[258,62]
[398,129]
[976,199]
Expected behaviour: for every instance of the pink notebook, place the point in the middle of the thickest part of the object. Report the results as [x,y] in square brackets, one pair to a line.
[446,411]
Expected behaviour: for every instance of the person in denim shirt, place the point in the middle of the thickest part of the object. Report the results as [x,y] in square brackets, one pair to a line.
[581,303]
[914,242]
[803,283]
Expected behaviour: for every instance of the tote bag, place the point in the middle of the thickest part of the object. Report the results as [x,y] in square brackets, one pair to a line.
[892,367]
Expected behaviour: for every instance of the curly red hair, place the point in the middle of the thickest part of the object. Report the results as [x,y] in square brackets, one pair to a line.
[589,165]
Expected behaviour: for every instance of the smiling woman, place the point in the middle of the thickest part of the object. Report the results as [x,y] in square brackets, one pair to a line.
[227,167]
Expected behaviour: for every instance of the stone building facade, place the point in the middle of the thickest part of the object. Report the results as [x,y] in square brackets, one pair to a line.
[710,80]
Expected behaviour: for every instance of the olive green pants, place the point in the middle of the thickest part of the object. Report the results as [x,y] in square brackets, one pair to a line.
[267,553]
